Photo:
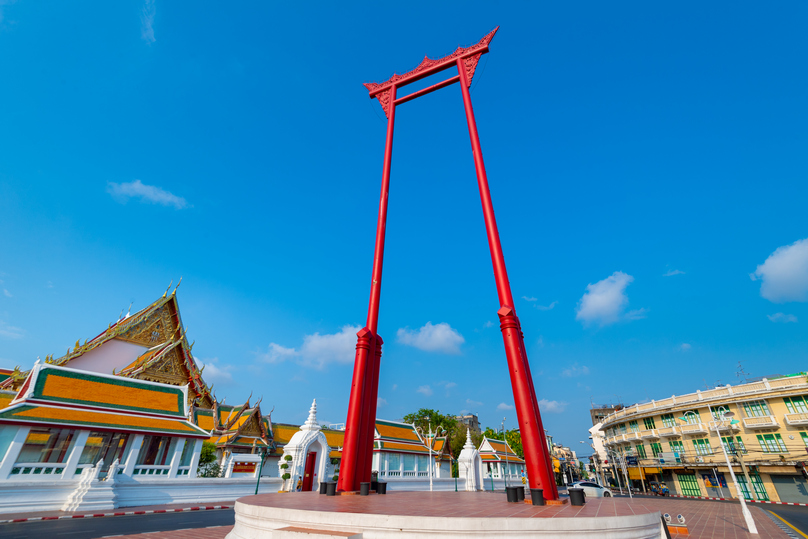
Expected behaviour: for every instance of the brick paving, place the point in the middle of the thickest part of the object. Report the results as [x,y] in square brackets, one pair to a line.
[705,519]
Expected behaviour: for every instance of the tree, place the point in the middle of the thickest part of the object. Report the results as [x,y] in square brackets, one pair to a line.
[514,439]
[455,430]
[208,465]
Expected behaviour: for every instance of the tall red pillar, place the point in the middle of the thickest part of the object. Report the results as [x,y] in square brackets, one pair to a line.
[524,396]
[359,425]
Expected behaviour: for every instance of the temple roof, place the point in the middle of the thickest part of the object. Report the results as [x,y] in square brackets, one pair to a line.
[58,395]
[499,450]
[148,345]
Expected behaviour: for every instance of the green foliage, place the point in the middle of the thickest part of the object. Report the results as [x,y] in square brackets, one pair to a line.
[208,465]
[208,453]
[335,461]
[514,439]
[455,430]
[211,469]
[285,476]
[335,478]
[284,466]
[287,457]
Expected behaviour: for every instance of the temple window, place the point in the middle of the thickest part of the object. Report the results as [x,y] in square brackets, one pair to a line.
[104,445]
[154,451]
[187,453]
[44,445]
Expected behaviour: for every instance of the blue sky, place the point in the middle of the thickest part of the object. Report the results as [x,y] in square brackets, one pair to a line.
[646,163]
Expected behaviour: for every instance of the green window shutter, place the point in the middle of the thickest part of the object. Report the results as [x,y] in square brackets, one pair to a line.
[689,485]
[781,445]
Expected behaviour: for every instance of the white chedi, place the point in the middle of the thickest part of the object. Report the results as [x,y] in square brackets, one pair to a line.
[309,441]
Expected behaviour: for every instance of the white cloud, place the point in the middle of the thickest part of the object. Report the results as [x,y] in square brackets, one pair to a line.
[450,385]
[488,324]
[671,273]
[7,293]
[781,317]
[277,353]
[10,332]
[215,372]
[575,370]
[317,350]
[425,391]
[605,301]
[552,407]
[785,273]
[684,347]
[432,338]
[502,406]
[395,386]
[380,402]
[49,284]
[546,307]
[147,22]
[122,192]
[529,299]
[2,4]
[473,404]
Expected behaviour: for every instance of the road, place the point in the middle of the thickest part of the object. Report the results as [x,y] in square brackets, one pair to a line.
[91,528]
[792,514]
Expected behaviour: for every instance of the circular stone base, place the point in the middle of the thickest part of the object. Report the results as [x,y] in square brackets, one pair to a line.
[403,515]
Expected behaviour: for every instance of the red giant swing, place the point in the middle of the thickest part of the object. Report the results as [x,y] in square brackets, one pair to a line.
[358,446]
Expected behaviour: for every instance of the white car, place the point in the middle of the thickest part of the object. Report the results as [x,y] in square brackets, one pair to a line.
[592,490]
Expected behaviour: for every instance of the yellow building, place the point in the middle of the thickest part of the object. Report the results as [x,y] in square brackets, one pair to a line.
[676,440]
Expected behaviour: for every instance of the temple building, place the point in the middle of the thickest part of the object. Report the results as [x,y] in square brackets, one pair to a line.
[498,459]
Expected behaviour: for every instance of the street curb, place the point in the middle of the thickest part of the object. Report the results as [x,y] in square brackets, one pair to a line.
[120,513]
[735,500]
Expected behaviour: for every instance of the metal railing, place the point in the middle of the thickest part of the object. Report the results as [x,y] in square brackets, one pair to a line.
[695,428]
[667,432]
[152,470]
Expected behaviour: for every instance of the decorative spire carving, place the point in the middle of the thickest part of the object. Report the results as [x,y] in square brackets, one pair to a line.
[468,444]
[311,422]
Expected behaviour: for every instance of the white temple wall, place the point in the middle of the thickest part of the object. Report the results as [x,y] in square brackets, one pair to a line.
[113,354]
[35,496]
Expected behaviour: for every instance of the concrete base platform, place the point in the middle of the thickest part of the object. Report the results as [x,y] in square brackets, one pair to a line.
[405,515]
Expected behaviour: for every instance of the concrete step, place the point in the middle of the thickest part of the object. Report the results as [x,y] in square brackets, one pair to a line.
[293,532]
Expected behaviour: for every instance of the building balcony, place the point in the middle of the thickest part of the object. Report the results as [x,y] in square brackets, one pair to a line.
[650,434]
[797,419]
[763,422]
[725,427]
[668,432]
[695,428]
[632,437]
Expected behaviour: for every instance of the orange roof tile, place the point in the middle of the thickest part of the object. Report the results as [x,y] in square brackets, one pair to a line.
[396,431]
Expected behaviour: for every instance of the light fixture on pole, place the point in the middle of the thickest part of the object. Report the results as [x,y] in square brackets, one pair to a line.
[750,522]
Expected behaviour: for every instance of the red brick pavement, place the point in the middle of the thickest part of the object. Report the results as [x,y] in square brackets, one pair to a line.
[705,519]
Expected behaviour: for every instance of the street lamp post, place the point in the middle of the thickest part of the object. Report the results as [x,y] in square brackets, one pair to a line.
[429,437]
[750,522]
[505,439]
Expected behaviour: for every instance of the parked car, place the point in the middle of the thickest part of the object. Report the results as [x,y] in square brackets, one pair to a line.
[592,490]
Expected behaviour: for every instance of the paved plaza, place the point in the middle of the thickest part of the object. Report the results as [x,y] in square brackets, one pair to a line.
[705,520]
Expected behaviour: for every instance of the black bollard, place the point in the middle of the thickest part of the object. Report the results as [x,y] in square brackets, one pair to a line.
[520,494]
[323,487]
[381,487]
[331,488]
[511,493]
[577,496]
[537,496]
[364,488]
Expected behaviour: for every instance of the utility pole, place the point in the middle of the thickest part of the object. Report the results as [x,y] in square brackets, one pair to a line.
[750,522]
[505,439]
[753,495]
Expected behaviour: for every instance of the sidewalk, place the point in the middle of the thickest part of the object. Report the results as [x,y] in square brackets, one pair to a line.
[143,510]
